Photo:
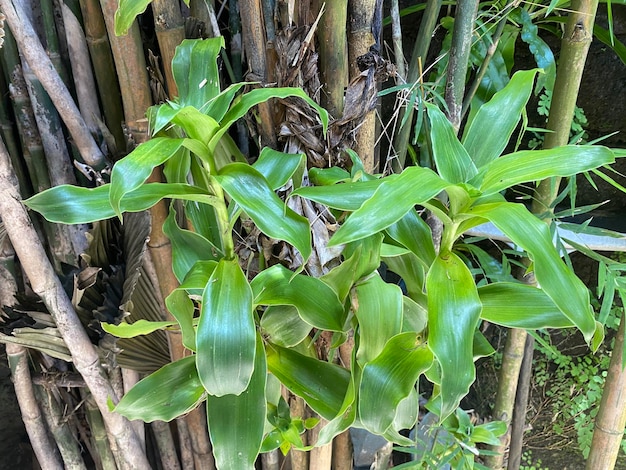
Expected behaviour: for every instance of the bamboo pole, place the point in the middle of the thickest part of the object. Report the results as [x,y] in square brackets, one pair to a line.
[132,73]
[170,31]
[103,451]
[82,73]
[361,37]
[44,448]
[35,55]
[333,57]
[609,426]
[104,70]
[45,283]
[418,57]
[165,444]
[63,435]
[254,42]
[464,20]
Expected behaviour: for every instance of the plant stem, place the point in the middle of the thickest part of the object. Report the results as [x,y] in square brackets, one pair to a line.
[396,35]
[31,48]
[459,58]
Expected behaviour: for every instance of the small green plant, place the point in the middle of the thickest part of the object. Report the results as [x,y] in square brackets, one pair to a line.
[529,463]
[575,386]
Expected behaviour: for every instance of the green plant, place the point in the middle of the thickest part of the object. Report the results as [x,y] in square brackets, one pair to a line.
[529,463]
[453,442]
[243,317]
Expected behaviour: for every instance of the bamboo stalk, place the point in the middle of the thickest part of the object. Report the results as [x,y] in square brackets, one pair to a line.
[170,31]
[31,48]
[254,41]
[299,459]
[507,387]
[99,435]
[459,59]
[519,408]
[320,457]
[361,26]
[132,74]
[43,447]
[333,58]
[63,435]
[611,419]
[44,283]
[165,444]
[104,69]
[82,73]
[396,36]
[130,378]
[418,57]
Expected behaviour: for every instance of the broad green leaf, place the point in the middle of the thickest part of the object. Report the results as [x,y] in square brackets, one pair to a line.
[389,203]
[197,126]
[517,305]
[407,412]
[236,423]
[164,395]
[328,176]
[138,328]
[411,270]
[379,313]
[252,192]
[69,204]
[534,165]
[414,316]
[361,258]
[182,308]
[452,160]
[198,276]
[389,379]
[414,233]
[126,13]
[282,325]
[277,167]
[488,134]
[133,170]
[453,314]
[532,235]
[315,301]
[244,103]
[196,72]
[219,105]
[346,415]
[342,196]
[226,332]
[322,385]
[187,246]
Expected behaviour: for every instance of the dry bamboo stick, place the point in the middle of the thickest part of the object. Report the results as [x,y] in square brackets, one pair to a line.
[44,448]
[82,73]
[46,284]
[165,443]
[36,56]
[170,31]
[63,435]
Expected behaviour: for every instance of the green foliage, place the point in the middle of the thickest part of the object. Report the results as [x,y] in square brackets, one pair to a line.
[455,442]
[573,385]
[234,318]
